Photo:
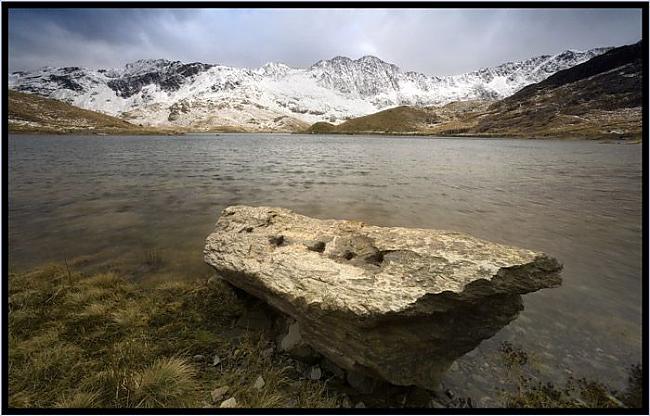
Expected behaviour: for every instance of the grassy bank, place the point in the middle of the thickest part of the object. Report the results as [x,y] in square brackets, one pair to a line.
[98,340]
[101,341]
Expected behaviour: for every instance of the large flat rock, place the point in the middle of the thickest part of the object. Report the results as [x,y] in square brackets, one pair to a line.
[399,304]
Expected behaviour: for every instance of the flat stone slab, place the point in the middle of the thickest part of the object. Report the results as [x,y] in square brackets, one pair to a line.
[394,303]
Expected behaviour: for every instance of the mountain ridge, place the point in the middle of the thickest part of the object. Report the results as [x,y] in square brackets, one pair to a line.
[599,99]
[275,96]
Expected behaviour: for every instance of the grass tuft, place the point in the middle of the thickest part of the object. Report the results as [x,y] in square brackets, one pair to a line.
[168,382]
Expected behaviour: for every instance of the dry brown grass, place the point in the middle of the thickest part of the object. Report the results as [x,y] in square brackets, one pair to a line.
[80,341]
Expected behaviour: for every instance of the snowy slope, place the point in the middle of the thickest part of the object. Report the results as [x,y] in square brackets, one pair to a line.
[275,96]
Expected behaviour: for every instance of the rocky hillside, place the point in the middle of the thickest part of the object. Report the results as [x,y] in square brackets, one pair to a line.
[600,98]
[275,97]
[30,113]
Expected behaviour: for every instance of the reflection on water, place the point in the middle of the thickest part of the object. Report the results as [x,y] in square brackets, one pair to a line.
[115,199]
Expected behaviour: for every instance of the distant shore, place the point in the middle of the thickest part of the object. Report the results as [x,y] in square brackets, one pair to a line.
[369,133]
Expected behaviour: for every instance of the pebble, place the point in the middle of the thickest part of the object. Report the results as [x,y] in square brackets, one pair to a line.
[315,373]
[229,404]
[346,403]
[360,405]
[216,360]
[218,393]
[259,383]
[198,357]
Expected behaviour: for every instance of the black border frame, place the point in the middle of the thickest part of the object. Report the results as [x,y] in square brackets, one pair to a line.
[8,5]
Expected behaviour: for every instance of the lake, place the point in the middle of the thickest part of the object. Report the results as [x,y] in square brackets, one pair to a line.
[107,203]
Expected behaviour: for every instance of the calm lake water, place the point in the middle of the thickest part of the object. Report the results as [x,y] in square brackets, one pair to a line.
[106,202]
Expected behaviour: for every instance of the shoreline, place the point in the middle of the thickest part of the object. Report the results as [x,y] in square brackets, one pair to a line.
[364,134]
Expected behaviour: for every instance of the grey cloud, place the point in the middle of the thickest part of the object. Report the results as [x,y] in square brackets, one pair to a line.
[440,41]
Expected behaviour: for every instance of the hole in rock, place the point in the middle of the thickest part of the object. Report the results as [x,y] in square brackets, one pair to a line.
[277,240]
[318,247]
[348,255]
[376,258]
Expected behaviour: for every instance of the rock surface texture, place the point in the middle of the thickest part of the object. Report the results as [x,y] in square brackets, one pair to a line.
[397,304]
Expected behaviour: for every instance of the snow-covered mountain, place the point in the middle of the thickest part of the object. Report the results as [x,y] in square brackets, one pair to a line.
[276,97]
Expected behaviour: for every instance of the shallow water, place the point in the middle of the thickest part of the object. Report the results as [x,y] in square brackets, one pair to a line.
[119,199]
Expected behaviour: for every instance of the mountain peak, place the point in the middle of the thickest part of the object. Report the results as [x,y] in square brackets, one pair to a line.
[273,69]
[371,58]
[362,62]
[145,65]
[148,61]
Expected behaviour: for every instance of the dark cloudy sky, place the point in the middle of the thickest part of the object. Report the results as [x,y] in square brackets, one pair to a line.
[443,41]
